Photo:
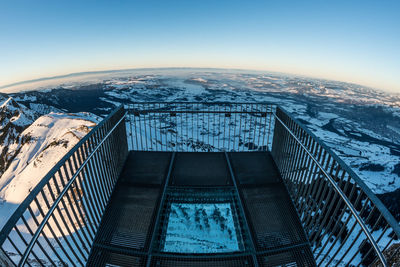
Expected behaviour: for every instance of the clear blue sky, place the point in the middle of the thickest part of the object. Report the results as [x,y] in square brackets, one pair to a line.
[355,41]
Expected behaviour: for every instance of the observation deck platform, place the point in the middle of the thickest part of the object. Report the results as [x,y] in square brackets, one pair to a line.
[141,226]
[200,184]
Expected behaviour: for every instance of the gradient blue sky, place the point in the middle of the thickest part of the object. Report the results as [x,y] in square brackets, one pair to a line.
[354,41]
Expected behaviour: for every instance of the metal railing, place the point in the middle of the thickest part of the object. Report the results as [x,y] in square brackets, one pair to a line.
[345,222]
[56,224]
[200,127]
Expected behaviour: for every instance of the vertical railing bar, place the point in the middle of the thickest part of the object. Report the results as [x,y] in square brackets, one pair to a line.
[182,137]
[234,123]
[145,128]
[255,125]
[130,115]
[209,128]
[301,163]
[332,204]
[110,150]
[155,126]
[364,241]
[101,160]
[84,210]
[259,127]
[160,127]
[197,128]
[44,236]
[219,127]
[82,177]
[59,229]
[69,218]
[72,205]
[313,221]
[24,240]
[176,128]
[244,127]
[229,127]
[150,128]
[286,149]
[212,108]
[336,225]
[289,166]
[224,131]
[139,114]
[317,188]
[20,253]
[134,120]
[26,243]
[308,173]
[311,177]
[240,127]
[395,252]
[342,229]
[347,237]
[99,182]
[269,128]
[358,234]
[298,162]
[85,183]
[302,175]
[74,196]
[93,186]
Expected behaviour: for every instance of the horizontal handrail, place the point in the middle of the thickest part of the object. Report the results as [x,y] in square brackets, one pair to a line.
[200,127]
[380,206]
[342,195]
[62,194]
[330,198]
[24,205]
[70,199]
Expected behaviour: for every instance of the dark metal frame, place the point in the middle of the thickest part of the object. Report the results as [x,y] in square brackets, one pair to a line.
[200,127]
[343,219]
[58,220]
[330,197]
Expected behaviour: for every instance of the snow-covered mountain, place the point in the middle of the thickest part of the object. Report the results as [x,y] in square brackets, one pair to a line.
[14,118]
[362,125]
[31,146]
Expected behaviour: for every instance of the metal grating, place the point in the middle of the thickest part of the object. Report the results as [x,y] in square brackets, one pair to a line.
[232,261]
[273,218]
[145,168]
[255,168]
[128,234]
[107,258]
[121,225]
[293,257]
[200,169]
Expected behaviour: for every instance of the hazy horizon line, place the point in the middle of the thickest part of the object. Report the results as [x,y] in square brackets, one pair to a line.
[5,86]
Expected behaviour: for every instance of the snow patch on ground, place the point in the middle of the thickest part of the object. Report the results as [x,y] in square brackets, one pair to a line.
[39,148]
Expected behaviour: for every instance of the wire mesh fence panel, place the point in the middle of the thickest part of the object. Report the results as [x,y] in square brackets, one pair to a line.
[56,224]
[200,127]
[345,222]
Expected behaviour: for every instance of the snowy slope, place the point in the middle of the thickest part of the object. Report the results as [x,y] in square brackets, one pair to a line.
[361,124]
[14,118]
[37,150]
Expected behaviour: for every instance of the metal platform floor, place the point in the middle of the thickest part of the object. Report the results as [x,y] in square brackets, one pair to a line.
[133,229]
